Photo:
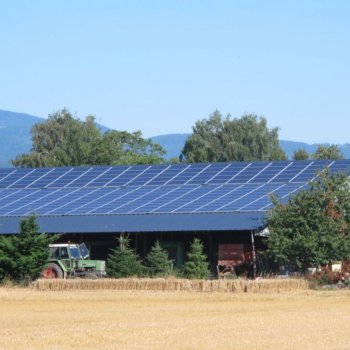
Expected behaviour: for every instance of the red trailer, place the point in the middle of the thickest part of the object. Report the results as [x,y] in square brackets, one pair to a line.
[233,257]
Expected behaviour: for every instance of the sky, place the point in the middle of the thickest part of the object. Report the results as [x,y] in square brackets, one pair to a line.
[159,65]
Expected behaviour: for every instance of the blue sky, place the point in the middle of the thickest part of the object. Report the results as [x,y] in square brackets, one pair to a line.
[158,66]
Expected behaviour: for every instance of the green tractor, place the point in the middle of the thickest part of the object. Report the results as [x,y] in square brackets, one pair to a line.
[70,260]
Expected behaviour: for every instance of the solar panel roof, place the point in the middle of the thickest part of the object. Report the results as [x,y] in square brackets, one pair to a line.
[170,197]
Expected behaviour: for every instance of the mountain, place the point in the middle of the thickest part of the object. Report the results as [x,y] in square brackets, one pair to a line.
[172,143]
[15,139]
[15,135]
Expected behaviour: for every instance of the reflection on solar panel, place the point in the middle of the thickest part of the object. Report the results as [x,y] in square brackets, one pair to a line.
[156,189]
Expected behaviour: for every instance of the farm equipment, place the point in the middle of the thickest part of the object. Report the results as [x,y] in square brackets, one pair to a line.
[234,259]
[69,260]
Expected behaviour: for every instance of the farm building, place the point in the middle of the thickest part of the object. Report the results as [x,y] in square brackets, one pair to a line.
[223,204]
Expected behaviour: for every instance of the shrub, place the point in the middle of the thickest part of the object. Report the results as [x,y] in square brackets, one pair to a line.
[326,277]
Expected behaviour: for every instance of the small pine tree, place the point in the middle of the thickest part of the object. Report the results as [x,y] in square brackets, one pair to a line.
[123,261]
[24,255]
[158,262]
[196,265]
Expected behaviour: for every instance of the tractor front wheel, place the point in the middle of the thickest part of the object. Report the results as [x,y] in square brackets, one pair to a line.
[52,271]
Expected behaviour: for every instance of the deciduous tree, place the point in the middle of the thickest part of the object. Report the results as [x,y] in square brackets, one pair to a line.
[122,148]
[327,152]
[312,228]
[301,154]
[63,140]
[218,139]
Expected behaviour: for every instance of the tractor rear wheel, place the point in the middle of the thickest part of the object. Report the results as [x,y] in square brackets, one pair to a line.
[52,271]
[91,275]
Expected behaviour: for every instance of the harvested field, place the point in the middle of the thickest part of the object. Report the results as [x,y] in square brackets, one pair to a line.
[114,319]
[174,284]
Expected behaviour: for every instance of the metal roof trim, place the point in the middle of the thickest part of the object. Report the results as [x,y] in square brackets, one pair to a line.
[142,223]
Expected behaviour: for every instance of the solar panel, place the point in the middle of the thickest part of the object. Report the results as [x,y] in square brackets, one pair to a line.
[155,189]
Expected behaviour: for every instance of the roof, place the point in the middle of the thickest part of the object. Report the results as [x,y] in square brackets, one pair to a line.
[146,198]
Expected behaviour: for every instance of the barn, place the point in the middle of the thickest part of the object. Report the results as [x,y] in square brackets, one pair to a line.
[223,204]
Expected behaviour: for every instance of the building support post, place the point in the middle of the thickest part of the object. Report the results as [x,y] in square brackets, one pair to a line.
[144,244]
[210,250]
[254,253]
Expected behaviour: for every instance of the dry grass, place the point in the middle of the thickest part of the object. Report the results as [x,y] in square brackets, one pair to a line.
[113,319]
[173,284]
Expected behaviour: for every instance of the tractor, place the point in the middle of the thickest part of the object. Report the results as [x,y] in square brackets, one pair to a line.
[70,260]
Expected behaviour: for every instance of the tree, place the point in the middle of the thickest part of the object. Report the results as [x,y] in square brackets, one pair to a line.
[196,265]
[158,262]
[24,255]
[63,140]
[123,261]
[122,148]
[324,152]
[312,228]
[301,154]
[220,140]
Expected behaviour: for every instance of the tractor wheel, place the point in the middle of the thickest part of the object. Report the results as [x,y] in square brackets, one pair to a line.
[91,275]
[52,271]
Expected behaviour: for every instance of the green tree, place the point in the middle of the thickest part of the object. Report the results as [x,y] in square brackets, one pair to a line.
[301,154]
[123,261]
[158,262]
[196,265]
[59,141]
[312,228]
[325,152]
[244,139]
[63,140]
[24,255]
[122,148]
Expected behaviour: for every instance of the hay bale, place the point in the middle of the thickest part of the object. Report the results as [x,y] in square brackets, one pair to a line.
[174,284]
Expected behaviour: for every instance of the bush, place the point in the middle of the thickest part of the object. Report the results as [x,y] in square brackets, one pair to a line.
[326,277]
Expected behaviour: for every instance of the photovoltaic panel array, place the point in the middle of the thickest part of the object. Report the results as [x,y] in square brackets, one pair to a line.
[155,189]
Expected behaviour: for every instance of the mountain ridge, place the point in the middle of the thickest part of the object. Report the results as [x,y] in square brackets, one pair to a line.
[15,139]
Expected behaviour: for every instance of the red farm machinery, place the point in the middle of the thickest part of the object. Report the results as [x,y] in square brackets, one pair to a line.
[235,259]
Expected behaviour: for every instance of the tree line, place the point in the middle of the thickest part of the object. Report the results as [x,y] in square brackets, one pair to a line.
[64,140]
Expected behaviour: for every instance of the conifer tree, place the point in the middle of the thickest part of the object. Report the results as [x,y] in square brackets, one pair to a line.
[196,265]
[158,262]
[24,255]
[123,261]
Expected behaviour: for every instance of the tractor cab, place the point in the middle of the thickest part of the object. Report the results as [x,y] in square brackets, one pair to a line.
[69,260]
[69,251]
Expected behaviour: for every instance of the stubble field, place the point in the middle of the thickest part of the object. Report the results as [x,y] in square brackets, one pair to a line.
[110,319]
